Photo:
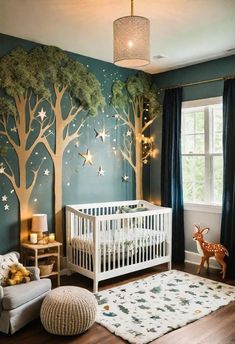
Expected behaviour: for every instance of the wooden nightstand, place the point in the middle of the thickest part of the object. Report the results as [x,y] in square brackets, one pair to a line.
[35,252]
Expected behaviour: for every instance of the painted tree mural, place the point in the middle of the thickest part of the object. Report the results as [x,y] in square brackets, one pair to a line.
[32,81]
[136,106]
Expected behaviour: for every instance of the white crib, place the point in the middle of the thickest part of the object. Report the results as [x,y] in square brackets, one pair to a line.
[103,242]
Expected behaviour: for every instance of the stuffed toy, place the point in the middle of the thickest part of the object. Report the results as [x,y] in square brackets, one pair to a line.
[18,274]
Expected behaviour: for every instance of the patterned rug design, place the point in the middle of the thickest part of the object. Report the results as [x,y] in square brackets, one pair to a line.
[146,309]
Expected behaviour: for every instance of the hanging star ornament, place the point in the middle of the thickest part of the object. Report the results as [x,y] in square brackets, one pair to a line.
[101,171]
[102,134]
[128,133]
[88,157]
[42,114]
[125,178]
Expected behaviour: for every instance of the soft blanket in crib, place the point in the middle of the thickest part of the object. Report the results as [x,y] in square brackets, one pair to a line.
[119,240]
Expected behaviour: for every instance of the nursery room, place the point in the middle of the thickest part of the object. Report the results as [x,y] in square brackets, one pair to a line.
[117,165]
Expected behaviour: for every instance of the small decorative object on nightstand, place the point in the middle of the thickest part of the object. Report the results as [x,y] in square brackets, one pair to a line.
[46,257]
[51,237]
[39,226]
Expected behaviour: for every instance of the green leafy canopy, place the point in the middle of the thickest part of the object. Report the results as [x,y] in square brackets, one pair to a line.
[136,86]
[22,71]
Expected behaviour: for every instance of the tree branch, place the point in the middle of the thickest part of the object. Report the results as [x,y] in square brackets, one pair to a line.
[59,93]
[69,138]
[41,135]
[71,116]
[128,158]
[10,176]
[5,133]
[35,175]
[149,123]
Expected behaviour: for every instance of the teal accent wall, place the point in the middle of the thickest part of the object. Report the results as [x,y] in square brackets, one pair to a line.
[81,184]
[223,67]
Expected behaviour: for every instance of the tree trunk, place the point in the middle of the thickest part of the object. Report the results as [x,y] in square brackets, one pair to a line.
[25,216]
[58,165]
[58,195]
[139,170]
[138,159]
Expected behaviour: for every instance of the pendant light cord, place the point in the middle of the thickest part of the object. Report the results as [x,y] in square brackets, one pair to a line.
[132,7]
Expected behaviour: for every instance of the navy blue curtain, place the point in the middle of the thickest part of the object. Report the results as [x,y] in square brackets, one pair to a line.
[228,209]
[171,169]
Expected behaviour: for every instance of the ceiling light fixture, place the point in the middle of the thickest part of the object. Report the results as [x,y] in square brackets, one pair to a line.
[131,40]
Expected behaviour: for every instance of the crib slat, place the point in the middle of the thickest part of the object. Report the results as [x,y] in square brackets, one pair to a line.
[123,242]
[128,239]
[118,244]
[114,230]
[146,229]
[109,244]
[104,245]
[156,226]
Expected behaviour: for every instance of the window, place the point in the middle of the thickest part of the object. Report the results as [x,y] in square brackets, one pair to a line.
[202,160]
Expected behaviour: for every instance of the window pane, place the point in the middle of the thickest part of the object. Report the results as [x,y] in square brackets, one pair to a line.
[202,128]
[218,178]
[188,167]
[188,191]
[199,144]
[199,122]
[217,118]
[199,192]
[188,146]
[217,143]
[188,123]
[194,178]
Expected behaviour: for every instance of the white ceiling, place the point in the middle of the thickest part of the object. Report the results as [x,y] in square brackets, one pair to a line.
[185,31]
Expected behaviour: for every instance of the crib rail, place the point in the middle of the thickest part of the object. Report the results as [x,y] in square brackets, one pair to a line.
[102,243]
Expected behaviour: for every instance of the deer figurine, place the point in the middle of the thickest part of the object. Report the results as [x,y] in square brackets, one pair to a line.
[208,250]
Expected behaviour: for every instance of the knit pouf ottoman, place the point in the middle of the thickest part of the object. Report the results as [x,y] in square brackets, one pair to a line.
[68,311]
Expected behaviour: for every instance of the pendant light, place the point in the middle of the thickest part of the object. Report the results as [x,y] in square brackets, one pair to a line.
[131,40]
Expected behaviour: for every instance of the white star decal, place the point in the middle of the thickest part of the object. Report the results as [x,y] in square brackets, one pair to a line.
[6,207]
[14,129]
[116,116]
[125,178]
[87,156]
[42,114]
[2,170]
[102,134]
[128,133]
[4,198]
[46,172]
[101,171]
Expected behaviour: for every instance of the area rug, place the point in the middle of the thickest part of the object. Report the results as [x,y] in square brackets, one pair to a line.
[144,310]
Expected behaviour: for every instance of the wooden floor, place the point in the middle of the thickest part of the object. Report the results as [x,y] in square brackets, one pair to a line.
[216,328]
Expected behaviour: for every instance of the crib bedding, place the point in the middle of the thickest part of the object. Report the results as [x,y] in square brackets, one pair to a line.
[120,239]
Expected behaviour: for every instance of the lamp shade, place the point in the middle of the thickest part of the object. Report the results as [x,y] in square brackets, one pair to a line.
[131,41]
[39,223]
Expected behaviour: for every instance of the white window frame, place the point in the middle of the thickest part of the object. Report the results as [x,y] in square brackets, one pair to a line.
[206,206]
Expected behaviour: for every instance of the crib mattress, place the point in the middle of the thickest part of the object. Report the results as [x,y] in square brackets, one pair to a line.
[119,240]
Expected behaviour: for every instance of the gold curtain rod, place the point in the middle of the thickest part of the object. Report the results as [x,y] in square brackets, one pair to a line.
[199,82]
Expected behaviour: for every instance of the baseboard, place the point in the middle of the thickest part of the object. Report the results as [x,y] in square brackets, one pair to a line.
[195,258]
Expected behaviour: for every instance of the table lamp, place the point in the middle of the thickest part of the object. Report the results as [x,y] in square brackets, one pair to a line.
[39,225]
